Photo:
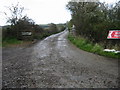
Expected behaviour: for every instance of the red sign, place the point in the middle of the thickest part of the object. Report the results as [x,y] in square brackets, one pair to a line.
[114,34]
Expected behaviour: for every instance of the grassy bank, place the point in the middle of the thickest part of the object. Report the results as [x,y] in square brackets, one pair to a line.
[90,47]
[10,41]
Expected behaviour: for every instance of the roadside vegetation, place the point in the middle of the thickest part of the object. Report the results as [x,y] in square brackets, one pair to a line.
[86,45]
[39,33]
[92,22]
[8,41]
[22,29]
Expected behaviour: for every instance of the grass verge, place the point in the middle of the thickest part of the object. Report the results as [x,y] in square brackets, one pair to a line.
[10,41]
[86,45]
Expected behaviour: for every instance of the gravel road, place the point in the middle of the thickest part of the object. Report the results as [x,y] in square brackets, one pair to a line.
[55,63]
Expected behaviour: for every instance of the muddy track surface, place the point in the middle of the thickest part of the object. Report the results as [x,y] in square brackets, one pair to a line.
[55,63]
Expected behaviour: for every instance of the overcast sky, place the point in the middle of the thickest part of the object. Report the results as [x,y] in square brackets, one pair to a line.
[41,11]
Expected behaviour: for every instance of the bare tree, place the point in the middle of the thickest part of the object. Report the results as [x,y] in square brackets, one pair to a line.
[16,12]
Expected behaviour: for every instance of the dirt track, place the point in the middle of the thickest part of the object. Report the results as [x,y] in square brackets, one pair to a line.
[55,63]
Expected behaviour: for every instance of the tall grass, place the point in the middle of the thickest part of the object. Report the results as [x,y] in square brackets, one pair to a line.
[86,45]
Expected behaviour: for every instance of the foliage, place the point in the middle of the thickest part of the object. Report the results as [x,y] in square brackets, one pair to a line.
[18,22]
[16,14]
[8,41]
[86,45]
[93,20]
[61,27]
[22,23]
[38,32]
[69,25]
[53,28]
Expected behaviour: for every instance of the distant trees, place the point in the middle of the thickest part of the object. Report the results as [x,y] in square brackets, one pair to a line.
[53,27]
[93,20]
[61,27]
